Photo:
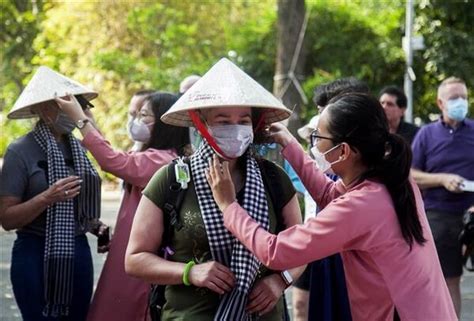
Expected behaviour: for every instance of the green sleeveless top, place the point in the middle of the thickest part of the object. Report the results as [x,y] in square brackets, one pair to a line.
[191,243]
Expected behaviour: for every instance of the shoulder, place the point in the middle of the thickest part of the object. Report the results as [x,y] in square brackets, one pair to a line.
[24,145]
[469,123]
[369,198]
[411,127]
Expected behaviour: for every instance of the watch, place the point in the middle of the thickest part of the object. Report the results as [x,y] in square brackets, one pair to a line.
[81,123]
[287,278]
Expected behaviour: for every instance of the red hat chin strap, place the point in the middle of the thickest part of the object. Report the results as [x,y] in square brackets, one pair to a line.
[205,133]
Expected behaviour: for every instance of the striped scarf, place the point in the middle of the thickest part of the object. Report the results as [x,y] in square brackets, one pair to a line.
[60,223]
[225,248]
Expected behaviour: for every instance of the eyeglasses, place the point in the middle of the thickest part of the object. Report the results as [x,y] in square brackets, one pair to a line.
[315,137]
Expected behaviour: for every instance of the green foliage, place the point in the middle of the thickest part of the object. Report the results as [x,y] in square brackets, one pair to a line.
[20,24]
[447,27]
[119,47]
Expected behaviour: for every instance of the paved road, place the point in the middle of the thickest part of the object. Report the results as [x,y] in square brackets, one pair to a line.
[9,311]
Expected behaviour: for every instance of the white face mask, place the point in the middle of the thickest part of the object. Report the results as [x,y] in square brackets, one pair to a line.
[320,159]
[233,140]
[139,131]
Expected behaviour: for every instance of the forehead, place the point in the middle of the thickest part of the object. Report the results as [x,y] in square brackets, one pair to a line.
[137,100]
[323,120]
[146,106]
[227,112]
[388,98]
[453,89]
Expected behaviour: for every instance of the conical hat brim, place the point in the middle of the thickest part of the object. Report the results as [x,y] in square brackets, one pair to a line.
[225,85]
[42,88]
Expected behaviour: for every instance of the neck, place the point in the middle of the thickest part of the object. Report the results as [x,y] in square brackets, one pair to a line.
[353,175]
[450,122]
[238,177]
[57,136]
[393,125]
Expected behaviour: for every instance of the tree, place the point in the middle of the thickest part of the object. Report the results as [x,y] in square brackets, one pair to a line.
[447,29]
[291,56]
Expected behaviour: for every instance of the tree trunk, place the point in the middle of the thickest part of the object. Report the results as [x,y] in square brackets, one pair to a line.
[291,15]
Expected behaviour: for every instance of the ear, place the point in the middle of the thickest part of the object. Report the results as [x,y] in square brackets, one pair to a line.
[402,111]
[439,102]
[346,151]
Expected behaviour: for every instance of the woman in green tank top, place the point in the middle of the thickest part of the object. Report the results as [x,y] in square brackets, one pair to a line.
[210,275]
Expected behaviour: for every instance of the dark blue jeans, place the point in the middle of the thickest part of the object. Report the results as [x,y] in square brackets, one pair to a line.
[27,278]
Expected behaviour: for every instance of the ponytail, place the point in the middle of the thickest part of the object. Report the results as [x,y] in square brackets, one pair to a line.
[394,171]
[359,120]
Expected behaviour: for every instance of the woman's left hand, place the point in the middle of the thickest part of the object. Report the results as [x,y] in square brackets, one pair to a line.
[220,180]
[265,294]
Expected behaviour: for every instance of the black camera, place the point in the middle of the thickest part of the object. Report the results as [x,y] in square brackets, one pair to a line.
[467,234]
[466,237]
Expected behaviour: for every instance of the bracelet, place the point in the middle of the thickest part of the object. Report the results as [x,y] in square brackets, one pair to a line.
[187,268]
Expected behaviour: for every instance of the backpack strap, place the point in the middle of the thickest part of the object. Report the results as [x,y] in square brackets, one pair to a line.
[173,201]
[271,180]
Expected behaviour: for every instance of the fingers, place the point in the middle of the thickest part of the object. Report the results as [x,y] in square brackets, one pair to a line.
[213,276]
[66,180]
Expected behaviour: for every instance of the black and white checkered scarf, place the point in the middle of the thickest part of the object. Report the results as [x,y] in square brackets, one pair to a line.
[60,221]
[225,248]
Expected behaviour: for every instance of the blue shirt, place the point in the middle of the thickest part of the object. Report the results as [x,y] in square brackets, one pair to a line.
[438,148]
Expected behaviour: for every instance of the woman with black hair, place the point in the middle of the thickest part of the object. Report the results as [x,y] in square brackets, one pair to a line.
[119,296]
[373,214]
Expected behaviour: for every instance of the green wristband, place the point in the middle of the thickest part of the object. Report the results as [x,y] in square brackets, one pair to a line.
[187,268]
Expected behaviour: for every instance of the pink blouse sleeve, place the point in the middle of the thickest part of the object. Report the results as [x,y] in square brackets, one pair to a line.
[321,188]
[135,168]
[334,229]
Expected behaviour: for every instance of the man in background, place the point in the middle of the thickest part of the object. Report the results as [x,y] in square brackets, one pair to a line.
[394,103]
[443,167]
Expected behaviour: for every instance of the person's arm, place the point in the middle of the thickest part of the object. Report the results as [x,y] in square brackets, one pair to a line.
[321,188]
[142,261]
[15,214]
[330,232]
[134,168]
[424,180]
[292,216]
[318,185]
[267,291]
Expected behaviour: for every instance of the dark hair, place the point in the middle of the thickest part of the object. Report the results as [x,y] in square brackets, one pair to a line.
[85,104]
[325,92]
[164,136]
[397,92]
[359,120]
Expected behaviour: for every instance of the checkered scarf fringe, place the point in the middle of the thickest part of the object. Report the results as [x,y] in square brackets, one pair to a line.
[60,223]
[225,248]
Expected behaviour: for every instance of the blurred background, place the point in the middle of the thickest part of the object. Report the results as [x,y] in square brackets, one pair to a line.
[289,46]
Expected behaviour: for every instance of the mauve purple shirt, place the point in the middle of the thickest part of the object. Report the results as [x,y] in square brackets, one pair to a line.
[438,148]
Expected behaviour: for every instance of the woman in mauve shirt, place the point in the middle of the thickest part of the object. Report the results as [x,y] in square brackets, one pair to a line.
[373,215]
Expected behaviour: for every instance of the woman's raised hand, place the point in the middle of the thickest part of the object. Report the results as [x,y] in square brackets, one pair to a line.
[279,134]
[220,181]
[212,275]
[71,107]
[63,189]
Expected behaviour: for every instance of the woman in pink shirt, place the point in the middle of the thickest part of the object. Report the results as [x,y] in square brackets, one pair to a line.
[373,215]
[119,296]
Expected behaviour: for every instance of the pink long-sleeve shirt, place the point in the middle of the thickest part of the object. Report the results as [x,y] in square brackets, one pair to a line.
[360,222]
[119,296]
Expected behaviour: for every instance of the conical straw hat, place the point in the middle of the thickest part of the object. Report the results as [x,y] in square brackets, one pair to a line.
[42,87]
[225,85]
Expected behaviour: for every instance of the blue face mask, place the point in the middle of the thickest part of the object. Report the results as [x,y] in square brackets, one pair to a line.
[457,109]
